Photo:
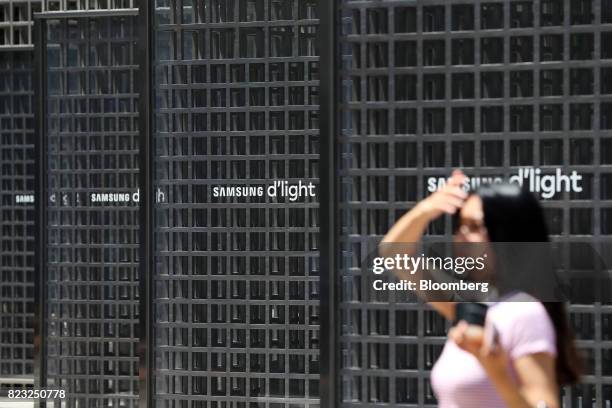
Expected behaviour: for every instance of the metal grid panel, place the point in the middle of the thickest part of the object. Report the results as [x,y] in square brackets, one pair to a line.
[237,279]
[92,147]
[428,86]
[86,5]
[16,219]
[16,23]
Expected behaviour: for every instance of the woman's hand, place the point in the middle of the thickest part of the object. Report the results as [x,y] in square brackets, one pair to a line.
[447,200]
[486,348]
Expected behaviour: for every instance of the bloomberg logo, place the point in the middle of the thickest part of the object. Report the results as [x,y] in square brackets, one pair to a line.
[547,185]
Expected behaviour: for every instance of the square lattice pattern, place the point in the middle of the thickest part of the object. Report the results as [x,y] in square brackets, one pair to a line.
[87,5]
[16,219]
[92,152]
[487,86]
[237,279]
[16,23]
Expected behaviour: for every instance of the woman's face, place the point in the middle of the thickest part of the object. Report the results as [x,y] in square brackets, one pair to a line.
[471,222]
[471,230]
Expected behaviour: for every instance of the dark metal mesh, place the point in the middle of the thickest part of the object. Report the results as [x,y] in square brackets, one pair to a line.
[92,148]
[236,280]
[16,23]
[428,86]
[16,219]
[82,5]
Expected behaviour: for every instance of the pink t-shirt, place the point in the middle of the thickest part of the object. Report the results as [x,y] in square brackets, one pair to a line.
[458,379]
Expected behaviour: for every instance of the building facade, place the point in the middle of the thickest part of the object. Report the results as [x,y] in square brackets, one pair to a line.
[486,86]
[90,150]
[236,279]
[232,290]
[16,194]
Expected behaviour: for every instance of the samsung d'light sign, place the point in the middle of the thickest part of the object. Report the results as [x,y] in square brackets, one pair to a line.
[534,179]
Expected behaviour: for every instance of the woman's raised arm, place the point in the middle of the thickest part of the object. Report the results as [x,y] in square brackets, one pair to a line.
[409,229]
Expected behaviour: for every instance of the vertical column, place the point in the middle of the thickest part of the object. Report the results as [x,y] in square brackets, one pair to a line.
[16,219]
[330,359]
[16,194]
[90,142]
[522,85]
[236,279]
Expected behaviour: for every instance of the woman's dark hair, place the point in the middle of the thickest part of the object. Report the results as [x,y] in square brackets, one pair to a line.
[513,214]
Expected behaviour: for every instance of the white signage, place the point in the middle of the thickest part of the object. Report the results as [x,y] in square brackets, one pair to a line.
[547,185]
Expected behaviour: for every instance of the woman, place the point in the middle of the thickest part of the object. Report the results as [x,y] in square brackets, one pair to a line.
[531,353]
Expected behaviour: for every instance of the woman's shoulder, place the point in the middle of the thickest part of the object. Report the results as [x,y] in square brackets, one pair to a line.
[519,306]
[524,322]
[519,309]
